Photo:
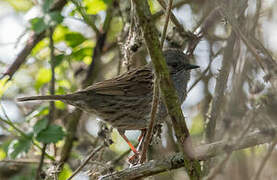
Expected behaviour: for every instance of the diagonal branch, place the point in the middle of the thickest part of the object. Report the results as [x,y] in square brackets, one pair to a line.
[166,86]
[203,152]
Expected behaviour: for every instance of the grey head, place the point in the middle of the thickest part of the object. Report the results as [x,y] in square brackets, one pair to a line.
[179,66]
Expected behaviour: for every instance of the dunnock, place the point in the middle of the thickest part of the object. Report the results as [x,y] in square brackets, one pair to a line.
[125,101]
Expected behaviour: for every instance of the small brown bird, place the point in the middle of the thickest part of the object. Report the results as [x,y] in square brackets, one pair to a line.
[125,101]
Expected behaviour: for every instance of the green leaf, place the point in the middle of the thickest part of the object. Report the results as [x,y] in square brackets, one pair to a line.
[22,145]
[74,39]
[38,25]
[58,59]
[80,54]
[51,134]
[20,5]
[56,17]
[43,76]
[66,173]
[3,154]
[46,5]
[40,125]
[197,127]
[94,6]
[40,46]
[4,84]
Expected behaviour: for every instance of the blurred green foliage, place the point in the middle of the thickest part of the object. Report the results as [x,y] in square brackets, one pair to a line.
[20,5]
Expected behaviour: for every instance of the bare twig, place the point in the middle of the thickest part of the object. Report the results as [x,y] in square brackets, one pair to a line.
[203,152]
[265,159]
[236,142]
[224,12]
[85,16]
[220,87]
[96,150]
[151,126]
[168,12]
[178,25]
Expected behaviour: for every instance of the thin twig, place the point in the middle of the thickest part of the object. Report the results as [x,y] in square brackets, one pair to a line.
[225,13]
[23,161]
[156,94]
[175,21]
[93,69]
[167,89]
[96,150]
[265,159]
[237,142]
[52,105]
[85,16]
[168,12]
[151,126]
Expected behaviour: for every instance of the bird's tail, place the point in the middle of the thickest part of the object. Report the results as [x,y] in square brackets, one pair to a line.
[47,98]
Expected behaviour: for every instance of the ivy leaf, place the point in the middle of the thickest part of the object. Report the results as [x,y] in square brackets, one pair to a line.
[51,134]
[40,125]
[21,145]
[38,24]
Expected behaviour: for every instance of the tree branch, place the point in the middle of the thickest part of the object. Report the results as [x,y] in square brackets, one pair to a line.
[203,152]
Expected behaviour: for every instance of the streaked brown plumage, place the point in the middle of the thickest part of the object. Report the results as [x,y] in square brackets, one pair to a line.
[125,101]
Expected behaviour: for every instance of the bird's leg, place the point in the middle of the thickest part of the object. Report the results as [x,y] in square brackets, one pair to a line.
[141,138]
[134,159]
[121,132]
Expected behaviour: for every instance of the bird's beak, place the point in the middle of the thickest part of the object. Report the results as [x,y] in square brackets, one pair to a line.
[191,66]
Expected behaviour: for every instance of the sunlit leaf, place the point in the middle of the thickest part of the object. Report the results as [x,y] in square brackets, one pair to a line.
[80,54]
[20,5]
[41,45]
[59,33]
[2,154]
[51,134]
[94,6]
[44,76]
[197,125]
[66,172]
[4,84]
[59,104]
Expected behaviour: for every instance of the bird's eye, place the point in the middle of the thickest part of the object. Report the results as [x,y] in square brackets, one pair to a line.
[174,65]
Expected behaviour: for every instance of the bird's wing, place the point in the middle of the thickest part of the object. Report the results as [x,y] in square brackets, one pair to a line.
[132,83]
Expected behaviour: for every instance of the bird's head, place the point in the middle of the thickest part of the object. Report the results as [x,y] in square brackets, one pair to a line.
[177,61]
